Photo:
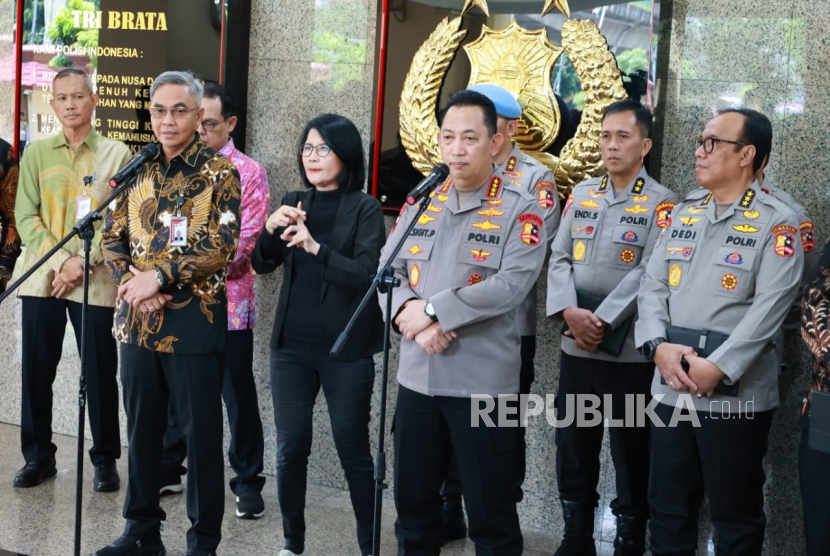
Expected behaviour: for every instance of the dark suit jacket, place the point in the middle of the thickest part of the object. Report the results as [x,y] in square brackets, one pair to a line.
[357,236]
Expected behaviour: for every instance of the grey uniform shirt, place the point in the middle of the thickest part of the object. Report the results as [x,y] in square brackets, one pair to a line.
[476,265]
[602,247]
[737,275]
[522,170]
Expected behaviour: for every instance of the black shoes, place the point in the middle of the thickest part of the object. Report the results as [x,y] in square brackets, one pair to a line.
[452,518]
[131,545]
[34,473]
[106,477]
[578,539]
[171,485]
[631,536]
[249,505]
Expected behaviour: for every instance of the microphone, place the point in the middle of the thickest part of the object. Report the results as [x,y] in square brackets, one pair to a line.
[149,151]
[436,176]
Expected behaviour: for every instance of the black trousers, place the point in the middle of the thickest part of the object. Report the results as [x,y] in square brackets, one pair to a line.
[239,393]
[193,384]
[43,329]
[814,474]
[578,448]
[723,459]
[527,374]
[427,430]
[298,371]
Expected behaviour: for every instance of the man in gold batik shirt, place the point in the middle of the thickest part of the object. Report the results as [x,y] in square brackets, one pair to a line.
[167,244]
[61,179]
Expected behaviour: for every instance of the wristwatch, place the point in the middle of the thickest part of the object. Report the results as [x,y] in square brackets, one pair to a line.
[429,311]
[648,349]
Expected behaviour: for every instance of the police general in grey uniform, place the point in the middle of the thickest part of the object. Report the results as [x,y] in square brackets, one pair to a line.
[719,284]
[466,267]
[608,232]
[523,171]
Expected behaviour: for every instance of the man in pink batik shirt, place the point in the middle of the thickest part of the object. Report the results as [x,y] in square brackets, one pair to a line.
[238,387]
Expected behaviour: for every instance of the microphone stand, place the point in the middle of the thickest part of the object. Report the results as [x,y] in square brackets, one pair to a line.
[83,229]
[385,280]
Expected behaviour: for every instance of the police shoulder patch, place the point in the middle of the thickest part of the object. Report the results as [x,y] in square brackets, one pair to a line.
[531,226]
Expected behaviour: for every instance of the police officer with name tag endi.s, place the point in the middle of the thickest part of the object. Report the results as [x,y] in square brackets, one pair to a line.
[608,231]
[465,269]
[522,170]
[716,290]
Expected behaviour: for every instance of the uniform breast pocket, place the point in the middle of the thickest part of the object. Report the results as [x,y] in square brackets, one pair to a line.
[679,256]
[416,252]
[476,263]
[732,275]
[629,242]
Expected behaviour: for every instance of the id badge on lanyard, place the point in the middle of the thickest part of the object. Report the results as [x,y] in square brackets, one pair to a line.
[83,202]
[178,226]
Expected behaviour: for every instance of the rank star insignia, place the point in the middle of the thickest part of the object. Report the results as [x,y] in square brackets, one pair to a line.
[747,199]
[480,255]
[734,258]
[675,273]
[474,279]
[414,276]
[630,236]
[784,245]
[415,249]
[579,250]
[491,212]
[745,228]
[729,282]
[426,219]
[604,184]
[511,164]
[638,186]
[688,221]
[627,256]
[486,226]
[641,199]
[636,209]
[751,214]
[589,204]
[494,189]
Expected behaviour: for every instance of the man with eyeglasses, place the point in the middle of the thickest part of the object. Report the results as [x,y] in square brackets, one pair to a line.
[246,448]
[167,244]
[717,288]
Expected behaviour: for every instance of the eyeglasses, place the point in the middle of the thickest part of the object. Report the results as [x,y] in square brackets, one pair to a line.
[322,149]
[209,125]
[179,113]
[708,143]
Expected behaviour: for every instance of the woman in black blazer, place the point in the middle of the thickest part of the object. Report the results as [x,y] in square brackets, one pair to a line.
[328,239]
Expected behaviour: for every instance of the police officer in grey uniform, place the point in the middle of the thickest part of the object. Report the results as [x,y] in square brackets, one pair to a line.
[526,172]
[608,232]
[466,267]
[719,284]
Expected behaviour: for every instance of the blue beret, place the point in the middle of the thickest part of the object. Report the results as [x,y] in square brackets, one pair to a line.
[506,105]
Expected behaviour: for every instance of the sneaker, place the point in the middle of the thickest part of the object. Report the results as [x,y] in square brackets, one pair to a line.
[171,486]
[130,545]
[249,505]
[286,552]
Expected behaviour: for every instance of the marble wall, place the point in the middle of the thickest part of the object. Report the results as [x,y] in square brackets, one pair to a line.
[309,57]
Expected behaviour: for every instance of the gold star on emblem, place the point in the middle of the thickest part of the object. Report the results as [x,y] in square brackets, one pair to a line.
[561,5]
[482,4]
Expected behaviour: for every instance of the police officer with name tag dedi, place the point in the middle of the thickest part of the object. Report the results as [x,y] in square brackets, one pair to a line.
[608,231]
[716,290]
